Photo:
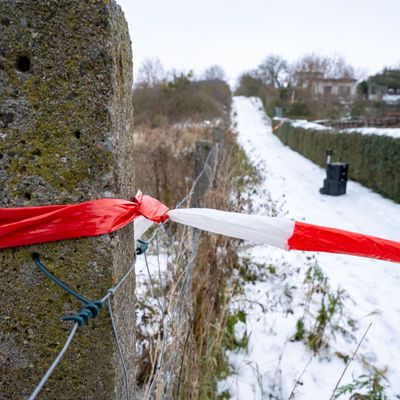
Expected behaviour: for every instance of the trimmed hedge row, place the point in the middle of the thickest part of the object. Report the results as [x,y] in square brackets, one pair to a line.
[374,160]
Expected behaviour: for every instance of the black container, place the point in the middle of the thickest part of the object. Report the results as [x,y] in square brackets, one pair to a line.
[336,180]
[337,171]
[333,187]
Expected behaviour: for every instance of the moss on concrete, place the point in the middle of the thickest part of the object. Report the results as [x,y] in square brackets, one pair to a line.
[67,138]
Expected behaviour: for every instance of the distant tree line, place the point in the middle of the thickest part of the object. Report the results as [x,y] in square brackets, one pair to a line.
[386,81]
[280,84]
[369,103]
[162,98]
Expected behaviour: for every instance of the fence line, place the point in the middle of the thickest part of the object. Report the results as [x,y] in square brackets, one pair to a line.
[79,321]
[107,297]
[176,306]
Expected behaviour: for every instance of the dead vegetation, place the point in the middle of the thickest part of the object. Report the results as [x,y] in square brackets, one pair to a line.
[185,356]
[183,309]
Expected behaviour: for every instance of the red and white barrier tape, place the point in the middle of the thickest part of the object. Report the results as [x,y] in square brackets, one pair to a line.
[286,234]
[30,225]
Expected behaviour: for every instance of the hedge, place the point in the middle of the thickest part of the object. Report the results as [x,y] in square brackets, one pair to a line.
[374,160]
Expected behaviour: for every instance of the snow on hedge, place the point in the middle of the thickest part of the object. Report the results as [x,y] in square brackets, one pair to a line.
[392,132]
[391,98]
[304,124]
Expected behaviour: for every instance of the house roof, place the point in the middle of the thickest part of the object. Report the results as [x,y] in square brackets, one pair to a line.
[339,80]
[318,76]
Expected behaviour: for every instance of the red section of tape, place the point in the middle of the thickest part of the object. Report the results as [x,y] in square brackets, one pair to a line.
[31,225]
[330,240]
[151,208]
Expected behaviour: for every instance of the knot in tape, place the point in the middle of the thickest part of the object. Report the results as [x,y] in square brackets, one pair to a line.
[151,208]
[88,312]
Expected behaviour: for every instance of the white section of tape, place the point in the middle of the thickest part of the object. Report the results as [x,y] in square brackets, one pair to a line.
[141,224]
[258,229]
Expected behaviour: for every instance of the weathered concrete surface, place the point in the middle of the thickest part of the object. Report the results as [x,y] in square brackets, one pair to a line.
[65,136]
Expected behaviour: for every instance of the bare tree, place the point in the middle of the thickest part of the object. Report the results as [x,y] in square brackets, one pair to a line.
[214,73]
[311,62]
[273,71]
[151,73]
[327,66]
[339,68]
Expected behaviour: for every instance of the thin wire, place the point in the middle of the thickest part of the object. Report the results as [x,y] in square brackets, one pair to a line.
[60,283]
[153,289]
[189,195]
[187,279]
[161,226]
[117,340]
[111,291]
[160,359]
[191,263]
[54,364]
[47,375]
[158,257]
[196,232]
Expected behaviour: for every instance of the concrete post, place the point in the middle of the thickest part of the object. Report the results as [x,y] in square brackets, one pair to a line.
[65,136]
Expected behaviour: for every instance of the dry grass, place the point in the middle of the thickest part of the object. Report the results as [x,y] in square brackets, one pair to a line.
[186,356]
[165,160]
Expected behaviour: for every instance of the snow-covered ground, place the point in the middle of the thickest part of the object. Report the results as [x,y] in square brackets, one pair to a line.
[274,366]
[391,98]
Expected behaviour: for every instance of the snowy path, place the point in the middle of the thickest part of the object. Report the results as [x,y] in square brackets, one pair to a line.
[373,286]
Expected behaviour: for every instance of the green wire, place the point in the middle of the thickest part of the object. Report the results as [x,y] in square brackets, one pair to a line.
[60,283]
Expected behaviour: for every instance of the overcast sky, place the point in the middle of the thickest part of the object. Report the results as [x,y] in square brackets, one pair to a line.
[238,34]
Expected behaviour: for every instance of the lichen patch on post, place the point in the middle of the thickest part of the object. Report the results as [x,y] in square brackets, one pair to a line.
[65,136]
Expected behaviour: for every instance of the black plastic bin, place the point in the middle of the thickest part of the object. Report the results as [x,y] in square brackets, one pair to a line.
[336,180]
